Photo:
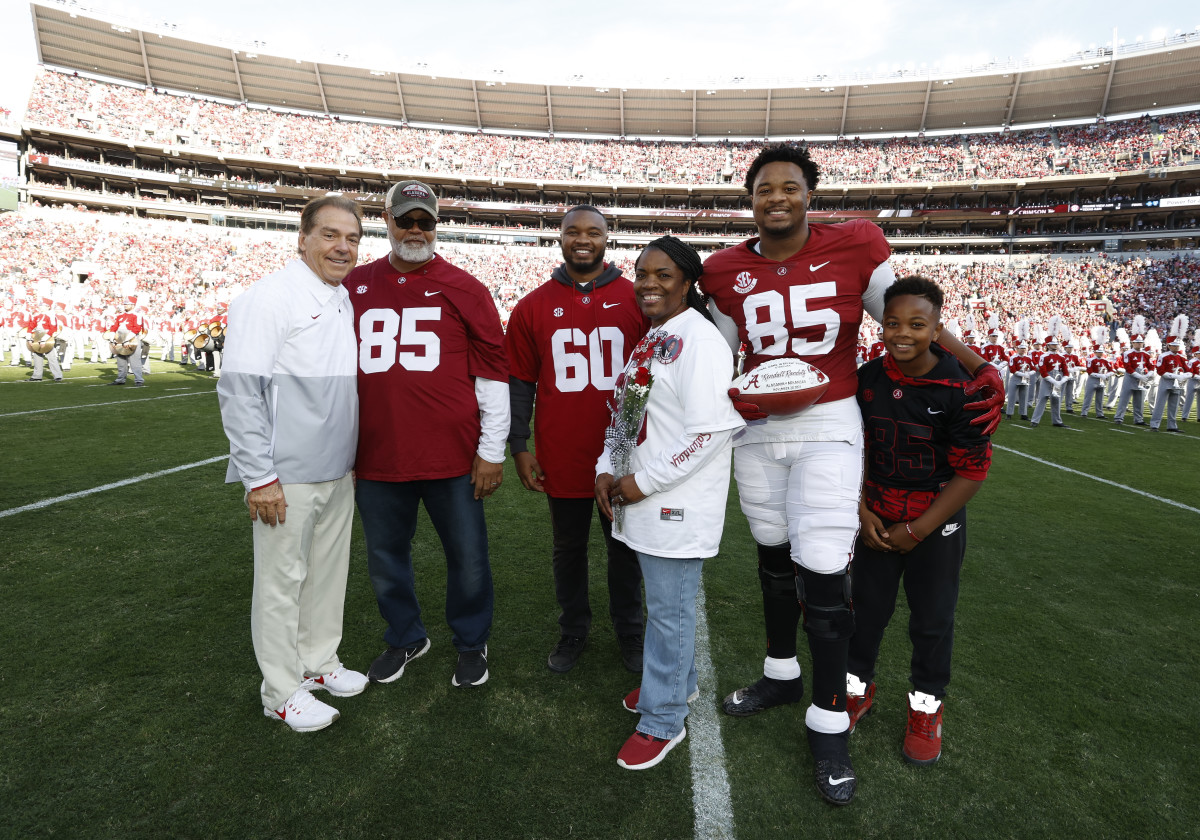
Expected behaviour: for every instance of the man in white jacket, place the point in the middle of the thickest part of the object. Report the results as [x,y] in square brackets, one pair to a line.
[289,404]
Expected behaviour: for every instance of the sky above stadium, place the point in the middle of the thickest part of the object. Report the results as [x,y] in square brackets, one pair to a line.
[694,43]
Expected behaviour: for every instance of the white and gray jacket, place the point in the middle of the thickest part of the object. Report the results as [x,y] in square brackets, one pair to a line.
[289,381]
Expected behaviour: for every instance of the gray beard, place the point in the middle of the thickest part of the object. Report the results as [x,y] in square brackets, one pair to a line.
[412,254]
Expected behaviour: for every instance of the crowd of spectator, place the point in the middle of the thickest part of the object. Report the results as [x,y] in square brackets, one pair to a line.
[148,115]
[181,267]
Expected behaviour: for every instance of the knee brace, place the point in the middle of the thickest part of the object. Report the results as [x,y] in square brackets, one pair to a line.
[777,573]
[825,599]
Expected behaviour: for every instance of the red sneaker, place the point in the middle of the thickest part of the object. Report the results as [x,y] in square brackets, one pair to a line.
[857,705]
[923,740]
[644,751]
[631,699]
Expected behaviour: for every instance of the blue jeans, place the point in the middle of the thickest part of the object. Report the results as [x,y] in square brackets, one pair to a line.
[669,655]
[389,514]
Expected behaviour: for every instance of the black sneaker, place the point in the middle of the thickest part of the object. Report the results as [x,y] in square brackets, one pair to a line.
[763,695]
[471,669]
[631,651]
[566,653]
[835,774]
[389,665]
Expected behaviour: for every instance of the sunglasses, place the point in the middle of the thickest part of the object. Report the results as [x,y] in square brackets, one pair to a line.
[406,223]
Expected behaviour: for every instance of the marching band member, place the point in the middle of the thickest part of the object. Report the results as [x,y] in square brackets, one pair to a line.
[877,349]
[41,331]
[21,318]
[994,351]
[1075,369]
[165,329]
[1172,368]
[1112,390]
[1020,373]
[1193,368]
[133,326]
[8,331]
[1054,374]
[1136,364]
[1099,372]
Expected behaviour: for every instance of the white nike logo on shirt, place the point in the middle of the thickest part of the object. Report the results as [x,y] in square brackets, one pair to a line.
[950,529]
[431,294]
[822,265]
[611,305]
[931,411]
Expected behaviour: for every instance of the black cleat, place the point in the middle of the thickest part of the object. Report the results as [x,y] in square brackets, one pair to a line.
[836,781]
[763,695]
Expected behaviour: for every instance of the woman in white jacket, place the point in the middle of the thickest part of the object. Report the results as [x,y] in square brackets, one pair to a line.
[663,478]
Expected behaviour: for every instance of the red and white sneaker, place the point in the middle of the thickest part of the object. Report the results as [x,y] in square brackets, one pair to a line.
[923,740]
[860,697]
[643,751]
[341,683]
[631,699]
[303,712]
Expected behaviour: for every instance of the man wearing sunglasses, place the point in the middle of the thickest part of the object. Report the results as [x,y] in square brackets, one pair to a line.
[433,418]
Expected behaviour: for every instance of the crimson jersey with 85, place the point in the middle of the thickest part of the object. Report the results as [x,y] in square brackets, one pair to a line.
[808,306]
[423,338]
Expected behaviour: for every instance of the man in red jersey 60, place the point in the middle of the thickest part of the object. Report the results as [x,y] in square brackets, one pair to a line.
[799,291]
[568,340]
[433,416]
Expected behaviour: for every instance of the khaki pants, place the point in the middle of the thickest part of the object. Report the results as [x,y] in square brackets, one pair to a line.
[300,572]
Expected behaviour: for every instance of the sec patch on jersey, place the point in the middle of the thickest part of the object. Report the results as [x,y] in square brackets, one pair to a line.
[782,386]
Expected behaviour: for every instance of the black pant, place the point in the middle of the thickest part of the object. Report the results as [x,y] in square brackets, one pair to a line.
[931,574]
[571,521]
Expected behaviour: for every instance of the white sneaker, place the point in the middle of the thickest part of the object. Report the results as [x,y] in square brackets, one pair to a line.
[341,683]
[303,712]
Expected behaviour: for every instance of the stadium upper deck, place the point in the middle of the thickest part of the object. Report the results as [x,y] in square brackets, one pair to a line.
[135,147]
[1121,79]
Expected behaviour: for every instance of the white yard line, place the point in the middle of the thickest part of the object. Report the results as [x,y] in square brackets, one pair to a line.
[710,783]
[96,405]
[1171,502]
[125,483]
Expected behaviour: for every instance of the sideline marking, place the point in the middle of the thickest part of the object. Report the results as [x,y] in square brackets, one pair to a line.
[710,783]
[95,405]
[1171,502]
[65,379]
[68,497]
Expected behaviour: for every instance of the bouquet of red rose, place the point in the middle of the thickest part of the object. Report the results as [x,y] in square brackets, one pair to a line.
[631,393]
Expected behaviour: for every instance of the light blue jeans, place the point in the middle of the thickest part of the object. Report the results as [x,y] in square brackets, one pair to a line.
[669,654]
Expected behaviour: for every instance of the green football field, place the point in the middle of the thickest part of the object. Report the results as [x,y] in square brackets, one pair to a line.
[131,692]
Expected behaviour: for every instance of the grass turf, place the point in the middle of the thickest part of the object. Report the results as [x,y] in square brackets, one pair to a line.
[131,703]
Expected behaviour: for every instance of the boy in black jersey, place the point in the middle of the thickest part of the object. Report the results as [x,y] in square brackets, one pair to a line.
[924,462]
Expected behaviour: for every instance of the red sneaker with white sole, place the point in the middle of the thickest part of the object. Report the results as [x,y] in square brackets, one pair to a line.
[858,705]
[642,751]
[923,739]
